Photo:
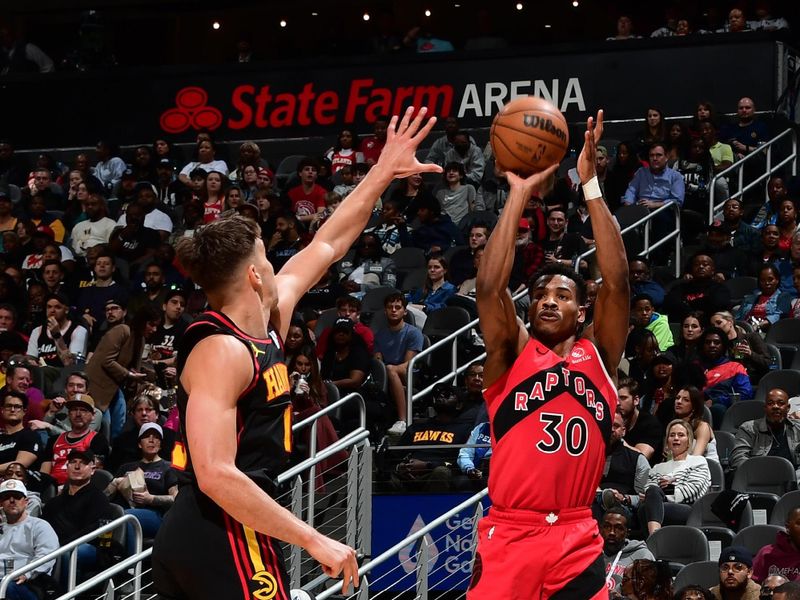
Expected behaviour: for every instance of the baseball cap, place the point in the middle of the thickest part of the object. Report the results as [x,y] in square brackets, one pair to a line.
[85,455]
[176,291]
[602,151]
[738,554]
[716,225]
[344,323]
[129,174]
[46,231]
[13,486]
[164,163]
[83,399]
[116,302]
[151,427]
[523,224]
[666,358]
[61,297]
[267,172]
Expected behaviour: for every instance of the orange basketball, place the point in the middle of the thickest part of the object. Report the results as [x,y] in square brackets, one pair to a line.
[528,135]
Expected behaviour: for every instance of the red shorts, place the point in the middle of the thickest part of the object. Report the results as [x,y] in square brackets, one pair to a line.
[527,555]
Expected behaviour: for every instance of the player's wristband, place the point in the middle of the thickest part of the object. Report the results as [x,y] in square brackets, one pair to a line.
[591,189]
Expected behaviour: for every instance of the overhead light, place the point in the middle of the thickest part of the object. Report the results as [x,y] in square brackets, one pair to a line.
[457,5]
[548,26]
[215,25]
[366,16]
[314,14]
[575,3]
[283,23]
[427,13]
[519,6]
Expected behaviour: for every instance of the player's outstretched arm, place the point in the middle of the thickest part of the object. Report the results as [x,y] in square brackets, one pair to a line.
[502,333]
[211,435]
[612,309]
[336,236]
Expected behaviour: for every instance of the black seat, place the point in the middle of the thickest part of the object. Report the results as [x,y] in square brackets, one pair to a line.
[765,479]
[408,258]
[711,525]
[412,279]
[785,335]
[786,379]
[679,544]
[725,443]
[755,537]
[741,412]
[717,475]
[739,287]
[439,325]
[780,513]
[704,573]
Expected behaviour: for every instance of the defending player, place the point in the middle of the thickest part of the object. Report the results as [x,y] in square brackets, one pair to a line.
[550,402]
[218,540]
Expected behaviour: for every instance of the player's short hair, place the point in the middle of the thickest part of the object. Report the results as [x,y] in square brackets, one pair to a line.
[213,255]
[568,272]
[630,383]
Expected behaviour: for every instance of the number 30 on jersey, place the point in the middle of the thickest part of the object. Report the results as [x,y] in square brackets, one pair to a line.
[572,435]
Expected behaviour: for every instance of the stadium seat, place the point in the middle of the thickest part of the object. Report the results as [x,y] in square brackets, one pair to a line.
[739,287]
[787,502]
[704,573]
[408,258]
[465,302]
[444,321]
[775,356]
[756,537]
[326,319]
[679,544]
[101,479]
[287,168]
[740,412]
[412,279]
[451,251]
[785,335]
[786,379]
[717,475]
[725,443]
[377,374]
[372,302]
[711,525]
[479,216]
[765,479]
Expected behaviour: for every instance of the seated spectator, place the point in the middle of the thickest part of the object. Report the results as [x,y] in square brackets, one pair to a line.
[96,229]
[689,404]
[736,23]
[20,473]
[350,308]
[395,345]
[722,154]
[442,145]
[647,579]
[133,241]
[749,133]
[56,417]
[38,215]
[206,160]
[80,506]
[783,557]
[619,552]
[322,296]
[468,287]
[332,201]
[473,461]
[344,152]
[642,283]
[80,437]
[774,435]
[164,342]
[724,377]
[745,237]
[787,224]
[212,195]
[641,349]
[776,193]
[528,258]
[94,298]
[371,146]
[386,229]
[789,590]
[25,538]
[657,184]
[62,341]
[747,348]
[662,386]
[154,218]
[144,409]
[155,290]
[643,432]
[624,30]
[462,261]
[369,268]
[643,314]
[434,294]
[116,362]
[693,591]
[729,262]
[673,486]
[767,304]
[18,444]
[456,200]
[436,232]
[466,153]
[770,250]
[346,360]
[147,506]
[307,198]
[787,266]
[8,322]
[735,574]
[625,475]
[560,245]
[699,292]
[19,379]
[286,241]
[408,193]
[110,167]
[433,470]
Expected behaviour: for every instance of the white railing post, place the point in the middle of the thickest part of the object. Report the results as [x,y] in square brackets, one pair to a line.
[422,570]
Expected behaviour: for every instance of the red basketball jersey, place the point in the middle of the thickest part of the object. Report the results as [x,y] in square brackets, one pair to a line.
[551,419]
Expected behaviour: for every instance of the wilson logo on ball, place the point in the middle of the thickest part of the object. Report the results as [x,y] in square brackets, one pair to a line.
[547,125]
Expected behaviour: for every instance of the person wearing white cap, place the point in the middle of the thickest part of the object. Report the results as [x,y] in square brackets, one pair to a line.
[23,540]
[148,505]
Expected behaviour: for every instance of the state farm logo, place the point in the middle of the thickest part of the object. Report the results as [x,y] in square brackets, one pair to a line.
[191,111]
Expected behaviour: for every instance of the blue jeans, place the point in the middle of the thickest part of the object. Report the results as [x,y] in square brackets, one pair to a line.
[149,519]
[19,592]
[114,415]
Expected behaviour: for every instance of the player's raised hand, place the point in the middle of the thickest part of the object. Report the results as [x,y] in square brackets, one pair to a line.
[587,160]
[335,558]
[528,185]
[402,141]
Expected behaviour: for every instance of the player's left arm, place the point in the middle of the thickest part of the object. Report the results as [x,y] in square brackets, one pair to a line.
[612,308]
[334,238]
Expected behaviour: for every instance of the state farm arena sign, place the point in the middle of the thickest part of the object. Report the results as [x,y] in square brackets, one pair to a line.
[262,101]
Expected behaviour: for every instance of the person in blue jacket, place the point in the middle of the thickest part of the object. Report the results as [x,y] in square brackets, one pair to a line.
[435,231]
[434,294]
[471,460]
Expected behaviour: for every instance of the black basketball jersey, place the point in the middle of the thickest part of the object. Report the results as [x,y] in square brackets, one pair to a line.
[264,409]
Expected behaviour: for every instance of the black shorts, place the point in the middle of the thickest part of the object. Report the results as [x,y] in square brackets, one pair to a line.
[201,553]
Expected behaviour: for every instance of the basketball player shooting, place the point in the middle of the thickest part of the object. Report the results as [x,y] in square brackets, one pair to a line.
[218,540]
[551,402]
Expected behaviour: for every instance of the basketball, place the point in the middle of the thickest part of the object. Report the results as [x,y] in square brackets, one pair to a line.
[528,135]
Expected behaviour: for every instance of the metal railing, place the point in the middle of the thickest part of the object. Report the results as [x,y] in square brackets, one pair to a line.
[764,152]
[647,222]
[73,560]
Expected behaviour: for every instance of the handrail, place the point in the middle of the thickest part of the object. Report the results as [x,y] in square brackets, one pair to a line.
[672,205]
[387,554]
[135,561]
[137,528]
[331,408]
[763,149]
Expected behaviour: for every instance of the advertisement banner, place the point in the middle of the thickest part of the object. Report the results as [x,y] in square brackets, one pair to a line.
[309,99]
[449,545]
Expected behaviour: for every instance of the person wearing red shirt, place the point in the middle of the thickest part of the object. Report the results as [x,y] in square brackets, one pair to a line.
[308,198]
[372,145]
